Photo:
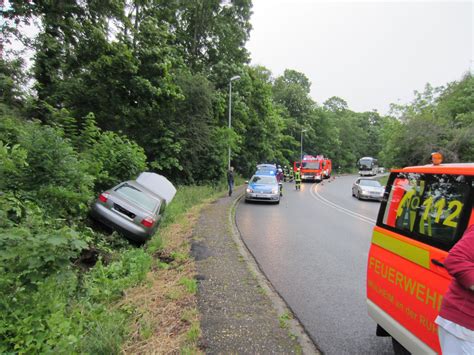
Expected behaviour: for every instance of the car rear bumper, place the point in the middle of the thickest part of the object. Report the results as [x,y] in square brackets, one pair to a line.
[119,223]
[371,197]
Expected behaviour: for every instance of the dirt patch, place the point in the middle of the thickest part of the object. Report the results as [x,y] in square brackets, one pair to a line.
[199,250]
[164,309]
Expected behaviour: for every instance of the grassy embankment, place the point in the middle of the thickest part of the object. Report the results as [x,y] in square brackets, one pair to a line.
[164,316]
[132,299]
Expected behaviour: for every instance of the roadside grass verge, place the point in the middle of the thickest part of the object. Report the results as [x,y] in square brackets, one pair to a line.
[382,179]
[186,198]
[164,316]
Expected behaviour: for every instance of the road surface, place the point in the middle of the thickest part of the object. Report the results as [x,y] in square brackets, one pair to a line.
[313,248]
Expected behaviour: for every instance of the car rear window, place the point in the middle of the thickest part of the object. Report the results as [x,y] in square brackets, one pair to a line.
[431,208]
[373,183]
[138,197]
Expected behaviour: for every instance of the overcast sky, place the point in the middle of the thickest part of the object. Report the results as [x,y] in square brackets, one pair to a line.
[369,53]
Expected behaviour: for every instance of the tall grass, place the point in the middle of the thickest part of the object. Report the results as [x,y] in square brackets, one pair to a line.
[187,197]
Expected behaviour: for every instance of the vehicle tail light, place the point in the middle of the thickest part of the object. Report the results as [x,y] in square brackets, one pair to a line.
[103,197]
[148,221]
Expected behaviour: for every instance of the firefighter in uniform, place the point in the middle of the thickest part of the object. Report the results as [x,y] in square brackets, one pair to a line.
[291,174]
[298,179]
[286,174]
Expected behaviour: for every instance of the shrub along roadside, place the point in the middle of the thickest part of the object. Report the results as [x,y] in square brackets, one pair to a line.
[57,306]
[61,282]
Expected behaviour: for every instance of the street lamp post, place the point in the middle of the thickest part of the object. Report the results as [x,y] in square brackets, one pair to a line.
[230,108]
[301,154]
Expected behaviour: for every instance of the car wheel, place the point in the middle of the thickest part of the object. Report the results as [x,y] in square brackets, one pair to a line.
[278,202]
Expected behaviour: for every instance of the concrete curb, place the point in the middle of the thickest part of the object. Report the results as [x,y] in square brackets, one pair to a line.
[294,325]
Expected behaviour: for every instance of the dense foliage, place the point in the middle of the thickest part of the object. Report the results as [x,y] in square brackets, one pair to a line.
[158,72]
[120,86]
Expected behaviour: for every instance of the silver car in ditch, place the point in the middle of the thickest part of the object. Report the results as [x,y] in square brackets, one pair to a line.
[368,189]
[131,209]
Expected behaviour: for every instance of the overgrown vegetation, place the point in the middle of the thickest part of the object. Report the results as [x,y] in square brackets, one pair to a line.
[119,87]
[59,279]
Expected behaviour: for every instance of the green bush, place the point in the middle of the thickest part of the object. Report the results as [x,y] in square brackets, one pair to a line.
[36,282]
[38,321]
[105,283]
[113,159]
[54,319]
[54,175]
[55,308]
[27,258]
[12,163]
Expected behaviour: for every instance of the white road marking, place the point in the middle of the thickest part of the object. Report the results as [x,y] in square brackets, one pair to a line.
[317,196]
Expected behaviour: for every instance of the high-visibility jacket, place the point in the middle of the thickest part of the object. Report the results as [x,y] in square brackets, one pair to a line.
[297,176]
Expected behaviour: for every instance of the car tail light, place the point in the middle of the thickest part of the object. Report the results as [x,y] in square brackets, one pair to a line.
[103,197]
[148,221]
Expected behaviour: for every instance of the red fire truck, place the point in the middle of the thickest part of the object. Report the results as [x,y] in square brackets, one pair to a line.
[314,168]
[327,168]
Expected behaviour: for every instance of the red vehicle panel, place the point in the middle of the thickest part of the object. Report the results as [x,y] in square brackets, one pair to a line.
[425,211]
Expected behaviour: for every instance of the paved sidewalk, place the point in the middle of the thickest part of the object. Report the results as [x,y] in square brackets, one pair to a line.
[240,311]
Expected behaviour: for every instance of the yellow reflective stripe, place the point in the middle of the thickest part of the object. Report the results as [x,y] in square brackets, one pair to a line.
[408,251]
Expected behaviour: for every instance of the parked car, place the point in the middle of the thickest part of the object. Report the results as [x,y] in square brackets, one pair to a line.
[263,188]
[368,189]
[134,208]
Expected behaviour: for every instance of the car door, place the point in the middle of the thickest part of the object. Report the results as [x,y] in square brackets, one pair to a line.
[355,187]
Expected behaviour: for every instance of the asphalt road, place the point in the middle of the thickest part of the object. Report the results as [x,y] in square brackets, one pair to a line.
[313,248]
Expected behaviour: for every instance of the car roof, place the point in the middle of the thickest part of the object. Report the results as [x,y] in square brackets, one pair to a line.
[269,172]
[266,166]
[454,168]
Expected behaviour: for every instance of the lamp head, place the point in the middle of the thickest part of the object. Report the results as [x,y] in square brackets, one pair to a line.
[235,78]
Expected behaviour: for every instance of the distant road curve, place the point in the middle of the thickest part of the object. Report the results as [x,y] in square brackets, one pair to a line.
[318,197]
